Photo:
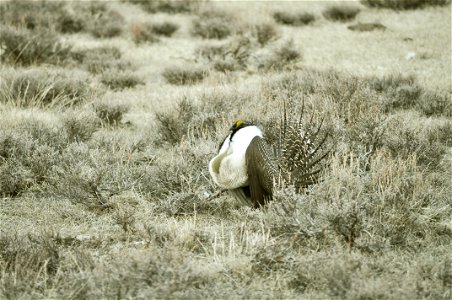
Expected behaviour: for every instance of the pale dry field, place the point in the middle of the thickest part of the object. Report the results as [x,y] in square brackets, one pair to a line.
[110,197]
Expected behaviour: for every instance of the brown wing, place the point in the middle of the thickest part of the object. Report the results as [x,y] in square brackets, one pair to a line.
[261,168]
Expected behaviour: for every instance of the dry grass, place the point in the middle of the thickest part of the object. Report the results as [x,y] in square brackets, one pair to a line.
[104,187]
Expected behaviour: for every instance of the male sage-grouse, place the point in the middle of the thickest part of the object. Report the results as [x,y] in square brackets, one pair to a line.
[249,166]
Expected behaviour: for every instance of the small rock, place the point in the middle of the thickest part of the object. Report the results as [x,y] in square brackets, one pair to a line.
[410,55]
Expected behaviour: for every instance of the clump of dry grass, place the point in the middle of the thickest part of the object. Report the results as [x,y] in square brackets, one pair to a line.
[342,13]
[44,88]
[26,47]
[294,19]
[405,4]
[184,75]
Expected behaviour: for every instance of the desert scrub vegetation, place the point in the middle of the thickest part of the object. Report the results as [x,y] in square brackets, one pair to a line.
[184,75]
[106,193]
[266,33]
[110,114]
[120,81]
[294,19]
[342,13]
[45,88]
[213,24]
[379,212]
[66,17]
[282,56]
[100,60]
[168,6]
[165,28]
[149,31]
[143,32]
[25,47]
[404,4]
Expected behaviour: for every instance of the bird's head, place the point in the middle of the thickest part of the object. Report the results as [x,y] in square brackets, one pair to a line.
[239,124]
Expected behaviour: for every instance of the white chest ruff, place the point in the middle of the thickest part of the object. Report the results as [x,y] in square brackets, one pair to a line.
[228,168]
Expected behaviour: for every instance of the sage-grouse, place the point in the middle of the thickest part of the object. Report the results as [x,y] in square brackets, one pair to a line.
[249,166]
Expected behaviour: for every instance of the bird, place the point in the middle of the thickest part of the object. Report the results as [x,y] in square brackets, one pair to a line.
[249,165]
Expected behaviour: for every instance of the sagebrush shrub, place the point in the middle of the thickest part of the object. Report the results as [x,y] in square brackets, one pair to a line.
[231,56]
[294,19]
[110,114]
[213,25]
[341,13]
[80,127]
[168,6]
[101,59]
[404,4]
[165,28]
[265,33]
[143,32]
[120,81]
[282,56]
[108,24]
[184,75]
[32,15]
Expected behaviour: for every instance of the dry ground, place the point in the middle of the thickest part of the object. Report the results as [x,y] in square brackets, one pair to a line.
[103,157]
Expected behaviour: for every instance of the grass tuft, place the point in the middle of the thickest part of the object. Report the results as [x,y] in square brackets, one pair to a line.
[44,88]
[24,47]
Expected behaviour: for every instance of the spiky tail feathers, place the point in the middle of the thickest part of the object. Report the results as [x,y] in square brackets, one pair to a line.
[301,149]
